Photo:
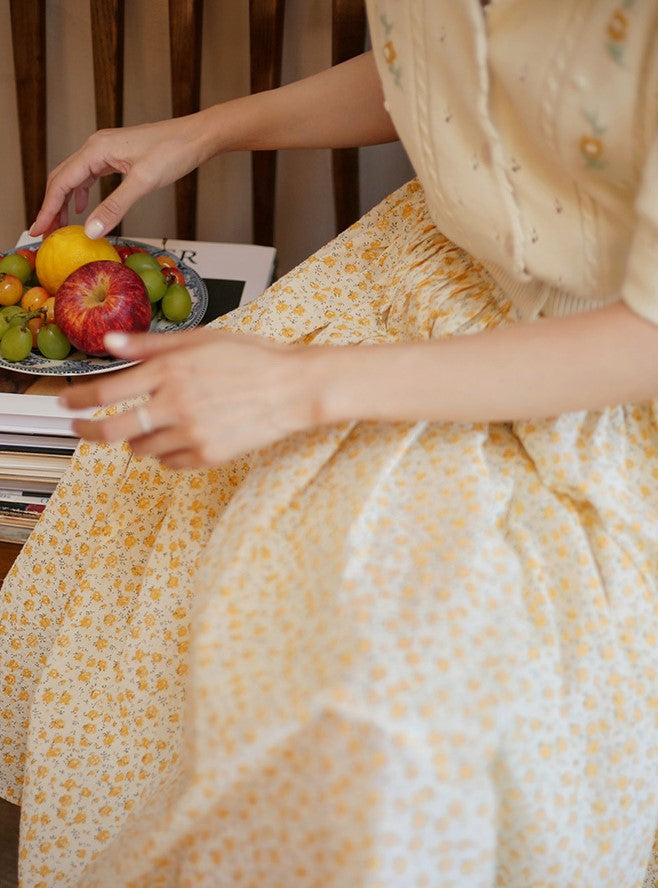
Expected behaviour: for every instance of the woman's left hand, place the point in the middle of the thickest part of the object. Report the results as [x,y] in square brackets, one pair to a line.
[211,395]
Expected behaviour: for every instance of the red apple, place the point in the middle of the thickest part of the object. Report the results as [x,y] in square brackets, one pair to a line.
[101,297]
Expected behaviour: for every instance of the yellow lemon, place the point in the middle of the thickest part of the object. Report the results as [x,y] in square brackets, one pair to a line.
[65,250]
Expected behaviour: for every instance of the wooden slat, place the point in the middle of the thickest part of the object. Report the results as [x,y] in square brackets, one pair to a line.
[28,27]
[348,38]
[9,821]
[8,554]
[266,52]
[107,21]
[185,39]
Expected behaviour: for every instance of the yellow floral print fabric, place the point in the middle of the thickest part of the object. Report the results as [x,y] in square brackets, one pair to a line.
[392,655]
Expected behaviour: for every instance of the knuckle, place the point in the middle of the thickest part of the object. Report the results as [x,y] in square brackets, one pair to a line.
[100,392]
[180,405]
[146,175]
[109,209]
[206,454]
[197,435]
[99,139]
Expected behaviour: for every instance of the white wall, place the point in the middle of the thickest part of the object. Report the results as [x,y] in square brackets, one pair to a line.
[304,213]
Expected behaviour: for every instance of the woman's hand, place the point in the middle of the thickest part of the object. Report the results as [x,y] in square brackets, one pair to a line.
[211,396]
[148,157]
[340,107]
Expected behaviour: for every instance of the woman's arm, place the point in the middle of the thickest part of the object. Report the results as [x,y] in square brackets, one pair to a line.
[215,395]
[524,371]
[340,107]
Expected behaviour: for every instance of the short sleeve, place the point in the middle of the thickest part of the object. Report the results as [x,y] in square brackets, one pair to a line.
[640,284]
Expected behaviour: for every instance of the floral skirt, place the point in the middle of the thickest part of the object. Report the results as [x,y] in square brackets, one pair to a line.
[374,654]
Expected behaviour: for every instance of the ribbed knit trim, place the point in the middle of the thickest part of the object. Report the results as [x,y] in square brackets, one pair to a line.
[538,298]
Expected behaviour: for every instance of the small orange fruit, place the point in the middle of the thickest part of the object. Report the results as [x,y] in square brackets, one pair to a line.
[66,250]
[34,298]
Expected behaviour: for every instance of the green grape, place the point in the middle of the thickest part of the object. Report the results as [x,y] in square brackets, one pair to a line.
[139,262]
[52,343]
[154,281]
[14,263]
[10,310]
[176,303]
[17,319]
[16,344]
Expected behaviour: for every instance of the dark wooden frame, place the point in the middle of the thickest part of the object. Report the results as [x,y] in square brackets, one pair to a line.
[28,28]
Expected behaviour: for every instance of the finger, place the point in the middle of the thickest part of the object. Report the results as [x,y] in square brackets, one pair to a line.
[140,422]
[164,440]
[48,217]
[179,460]
[61,184]
[81,198]
[139,346]
[111,211]
[121,386]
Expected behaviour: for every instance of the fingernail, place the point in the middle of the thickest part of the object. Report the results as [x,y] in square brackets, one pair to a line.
[93,228]
[114,341]
[29,231]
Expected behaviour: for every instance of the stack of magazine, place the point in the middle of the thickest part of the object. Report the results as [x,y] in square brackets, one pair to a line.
[36,445]
[36,438]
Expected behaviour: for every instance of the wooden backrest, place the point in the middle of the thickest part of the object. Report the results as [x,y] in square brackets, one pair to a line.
[266,24]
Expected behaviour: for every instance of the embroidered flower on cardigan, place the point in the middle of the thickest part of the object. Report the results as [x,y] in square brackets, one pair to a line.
[592,146]
[617,32]
[389,52]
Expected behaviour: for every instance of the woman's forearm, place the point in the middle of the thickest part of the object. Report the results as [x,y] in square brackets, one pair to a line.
[340,107]
[526,371]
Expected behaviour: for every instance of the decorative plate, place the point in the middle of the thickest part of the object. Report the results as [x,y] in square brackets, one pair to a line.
[79,364]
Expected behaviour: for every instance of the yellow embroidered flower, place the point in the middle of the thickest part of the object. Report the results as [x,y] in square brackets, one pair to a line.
[390,55]
[591,147]
[617,26]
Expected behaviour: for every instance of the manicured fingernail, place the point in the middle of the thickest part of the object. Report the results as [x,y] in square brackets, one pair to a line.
[93,228]
[114,341]
[29,231]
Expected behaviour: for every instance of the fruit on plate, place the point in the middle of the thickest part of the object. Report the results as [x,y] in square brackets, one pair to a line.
[29,253]
[176,303]
[34,324]
[16,342]
[156,285]
[125,250]
[66,250]
[52,343]
[49,308]
[19,266]
[35,298]
[11,289]
[139,262]
[101,297]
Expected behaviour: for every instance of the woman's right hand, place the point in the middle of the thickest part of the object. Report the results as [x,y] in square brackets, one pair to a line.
[337,108]
[148,157]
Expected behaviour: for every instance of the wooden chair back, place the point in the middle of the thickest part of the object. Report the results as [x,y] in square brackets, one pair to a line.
[266,35]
